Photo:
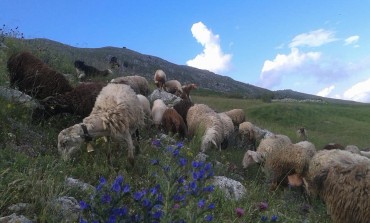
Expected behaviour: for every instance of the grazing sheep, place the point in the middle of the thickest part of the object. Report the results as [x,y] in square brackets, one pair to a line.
[237,116]
[173,87]
[290,160]
[355,149]
[34,77]
[246,134]
[341,179]
[84,71]
[266,146]
[117,113]
[186,91]
[157,111]
[228,127]
[173,123]
[201,117]
[160,79]
[302,133]
[333,146]
[182,108]
[79,101]
[138,83]
[145,105]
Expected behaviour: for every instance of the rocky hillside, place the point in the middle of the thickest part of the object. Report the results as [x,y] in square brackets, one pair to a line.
[62,56]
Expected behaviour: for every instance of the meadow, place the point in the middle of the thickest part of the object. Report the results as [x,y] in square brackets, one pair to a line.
[32,172]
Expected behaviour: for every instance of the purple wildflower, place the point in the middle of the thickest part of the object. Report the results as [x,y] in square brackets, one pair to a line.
[263,206]
[239,212]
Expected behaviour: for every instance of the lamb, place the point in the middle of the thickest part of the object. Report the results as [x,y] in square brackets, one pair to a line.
[138,83]
[79,101]
[172,122]
[237,116]
[157,111]
[266,146]
[182,108]
[34,77]
[117,113]
[173,87]
[145,105]
[228,127]
[84,71]
[202,118]
[290,161]
[160,79]
[341,179]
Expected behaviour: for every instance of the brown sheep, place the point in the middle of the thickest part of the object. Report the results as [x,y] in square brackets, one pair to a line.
[138,83]
[182,108]
[85,71]
[80,101]
[160,79]
[333,146]
[186,91]
[34,77]
[172,122]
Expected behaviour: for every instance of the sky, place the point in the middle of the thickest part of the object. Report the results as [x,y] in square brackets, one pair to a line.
[315,47]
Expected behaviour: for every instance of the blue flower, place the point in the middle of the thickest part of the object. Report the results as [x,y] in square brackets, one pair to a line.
[169,149]
[157,214]
[155,162]
[126,189]
[116,187]
[193,185]
[195,164]
[209,218]
[166,168]
[264,218]
[201,203]
[106,198]
[83,205]
[209,188]
[211,206]
[146,203]
[119,179]
[102,181]
[274,218]
[154,190]
[182,161]
[82,220]
[156,142]
[181,180]
[112,219]
[120,211]
[179,145]
[138,195]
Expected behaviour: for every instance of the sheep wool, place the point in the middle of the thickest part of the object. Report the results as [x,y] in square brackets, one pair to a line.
[173,123]
[116,113]
[342,180]
[237,116]
[138,83]
[157,111]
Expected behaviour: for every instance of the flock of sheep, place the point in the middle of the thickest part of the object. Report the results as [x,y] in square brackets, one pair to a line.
[120,108]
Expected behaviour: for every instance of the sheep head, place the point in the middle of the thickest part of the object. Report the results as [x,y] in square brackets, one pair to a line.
[251,157]
[70,140]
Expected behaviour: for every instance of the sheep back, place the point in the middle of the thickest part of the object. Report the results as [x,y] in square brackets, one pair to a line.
[342,180]
[158,109]
[182,108]
[159,78]
[138,83]
[173,86]
[34,77]
[237,116]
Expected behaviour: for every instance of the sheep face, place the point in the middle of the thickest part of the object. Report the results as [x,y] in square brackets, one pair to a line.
[69,141]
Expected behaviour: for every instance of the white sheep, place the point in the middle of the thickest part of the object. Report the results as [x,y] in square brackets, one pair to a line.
[157,111]
[236,115]
[266,146]
[341,179]
[117,113]
[355,149]
[288,162]
[145,105]
[228,127]
[200,117]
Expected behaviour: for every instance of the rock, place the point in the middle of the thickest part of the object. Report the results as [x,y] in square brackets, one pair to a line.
[232,189]
[18,97]
[14,218]
[71,182]
[68,209]
[17,208]
[201,157]
[168,98]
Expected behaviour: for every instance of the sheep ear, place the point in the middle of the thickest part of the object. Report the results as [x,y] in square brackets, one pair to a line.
[295,180]
[256,157]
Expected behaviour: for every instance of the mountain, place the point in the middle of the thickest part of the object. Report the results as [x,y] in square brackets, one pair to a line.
[132,62]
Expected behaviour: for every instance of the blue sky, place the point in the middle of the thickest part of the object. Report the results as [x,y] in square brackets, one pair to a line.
[315,47]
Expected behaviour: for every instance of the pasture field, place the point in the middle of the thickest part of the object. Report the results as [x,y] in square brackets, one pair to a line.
[31,170]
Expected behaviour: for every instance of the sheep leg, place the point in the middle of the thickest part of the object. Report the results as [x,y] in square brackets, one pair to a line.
[130,147]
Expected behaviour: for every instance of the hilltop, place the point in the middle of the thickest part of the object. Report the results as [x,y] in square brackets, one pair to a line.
[62,56]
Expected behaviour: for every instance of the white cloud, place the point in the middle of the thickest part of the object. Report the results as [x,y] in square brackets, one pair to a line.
[326,91]
[351,40]
[358,92]
[212,58]
[272,71]
[313,39]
